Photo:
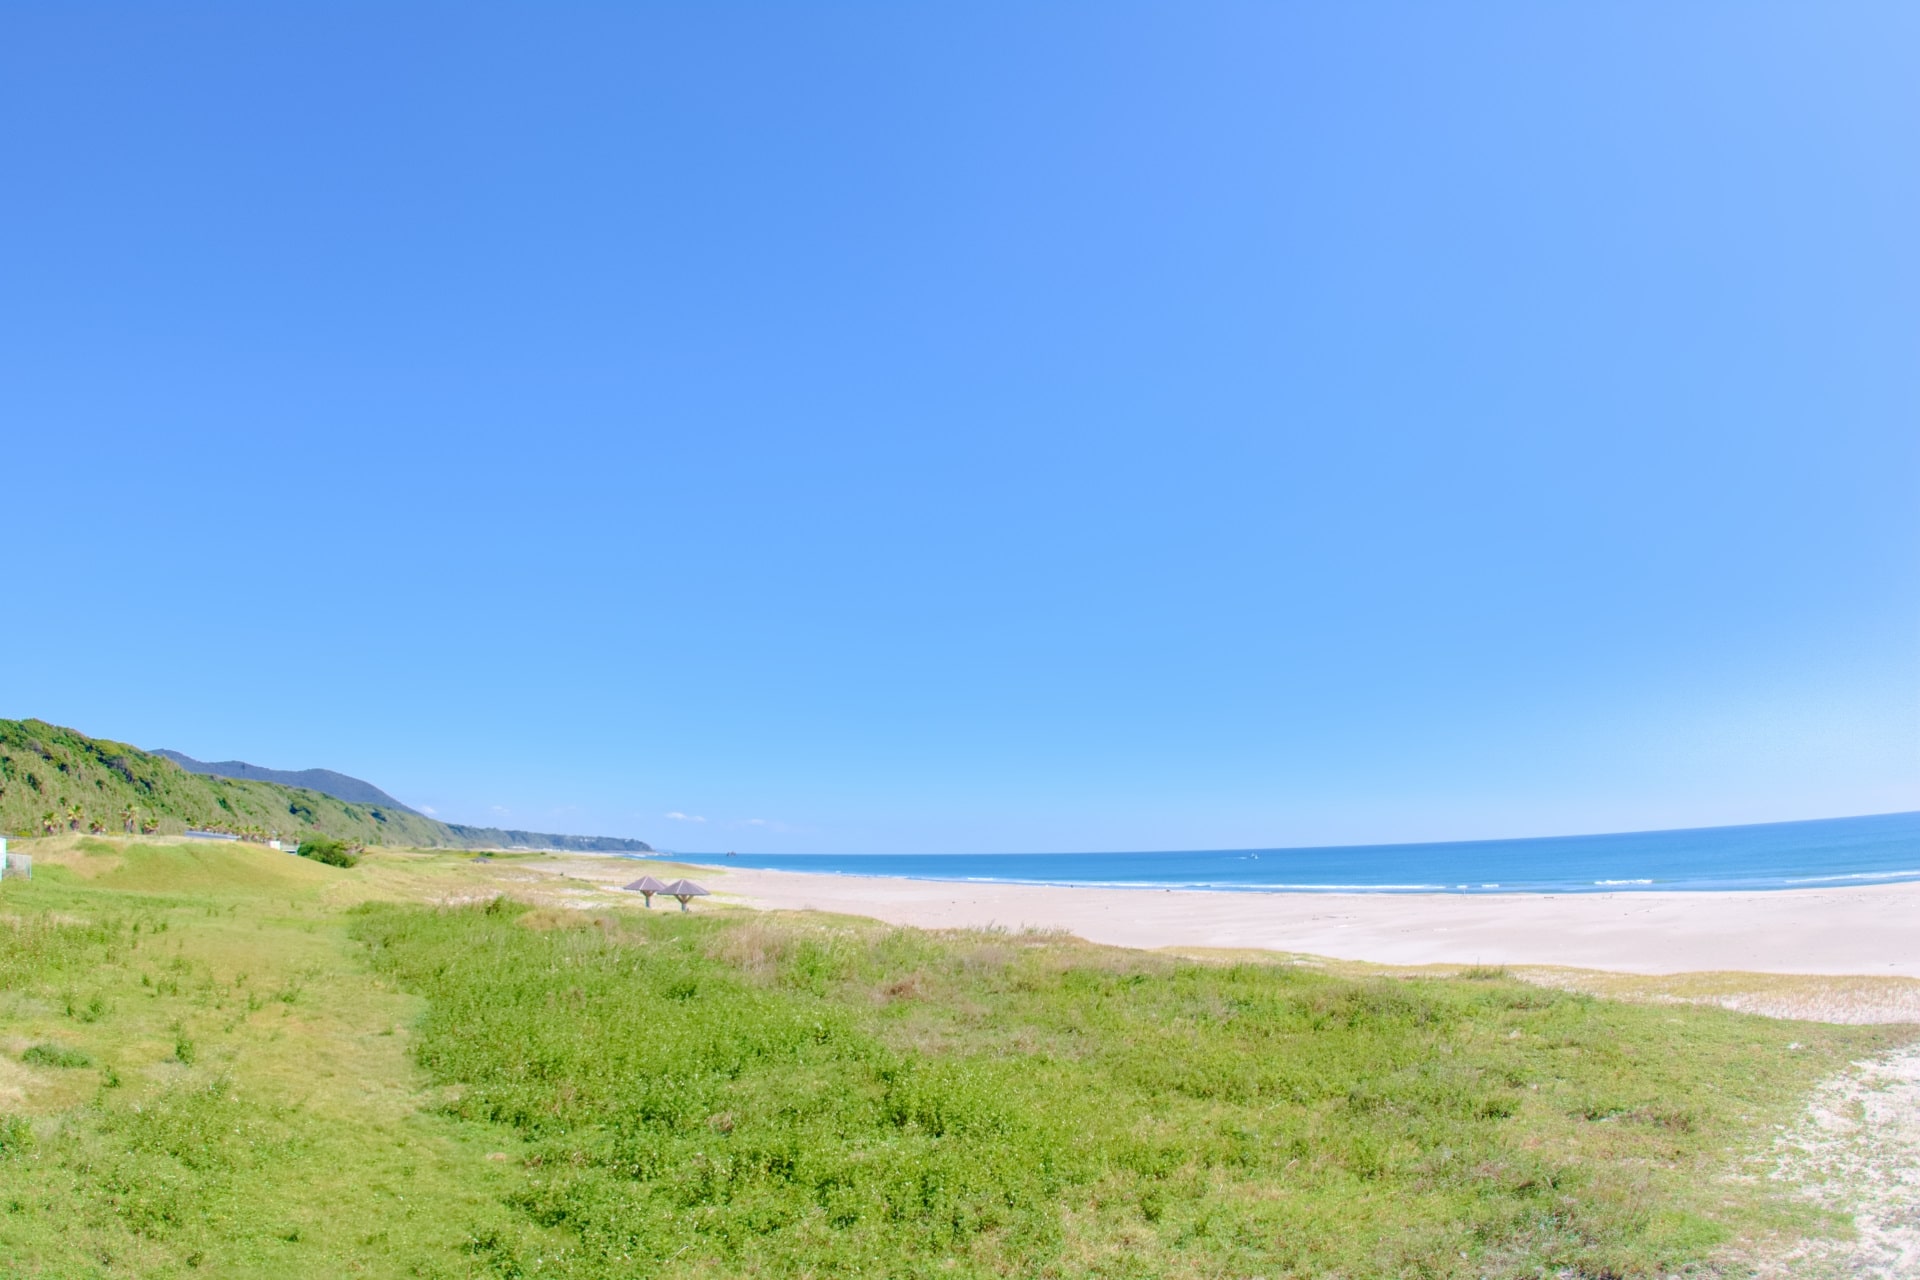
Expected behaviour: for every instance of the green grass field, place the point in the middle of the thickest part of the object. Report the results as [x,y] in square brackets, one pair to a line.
[222,1061]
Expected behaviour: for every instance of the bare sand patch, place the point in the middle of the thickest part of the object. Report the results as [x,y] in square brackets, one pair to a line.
[1857,1151]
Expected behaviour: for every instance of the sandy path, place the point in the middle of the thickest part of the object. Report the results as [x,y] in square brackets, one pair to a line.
[1858,1151]
[1871,930]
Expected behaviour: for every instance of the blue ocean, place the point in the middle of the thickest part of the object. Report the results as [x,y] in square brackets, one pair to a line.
[1782,855]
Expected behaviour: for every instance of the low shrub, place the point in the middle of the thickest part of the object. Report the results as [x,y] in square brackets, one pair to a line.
[335,853]
[49,1054]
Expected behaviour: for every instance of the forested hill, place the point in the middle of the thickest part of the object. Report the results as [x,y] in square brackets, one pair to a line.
[57,776]
[52,777]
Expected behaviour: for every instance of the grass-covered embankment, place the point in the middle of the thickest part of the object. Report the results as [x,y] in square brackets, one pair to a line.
[221,1061]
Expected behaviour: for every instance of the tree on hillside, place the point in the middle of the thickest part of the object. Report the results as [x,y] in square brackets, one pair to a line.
[149,825]
[75,816]
[95,826]
[129,816]
[48,821]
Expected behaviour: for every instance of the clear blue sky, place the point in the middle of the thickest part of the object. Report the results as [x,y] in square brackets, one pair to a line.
[976,427]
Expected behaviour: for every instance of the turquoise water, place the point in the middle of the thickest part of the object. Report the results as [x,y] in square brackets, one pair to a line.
[1781,855]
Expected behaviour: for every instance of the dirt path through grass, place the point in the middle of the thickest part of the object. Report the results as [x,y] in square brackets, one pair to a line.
[227,1091]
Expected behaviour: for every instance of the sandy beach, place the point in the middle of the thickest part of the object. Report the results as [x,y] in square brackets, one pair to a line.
[1867,931]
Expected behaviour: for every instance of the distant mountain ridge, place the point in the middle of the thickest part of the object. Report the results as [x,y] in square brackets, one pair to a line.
[58,779]
[325,781]
[502,838]
[357,791]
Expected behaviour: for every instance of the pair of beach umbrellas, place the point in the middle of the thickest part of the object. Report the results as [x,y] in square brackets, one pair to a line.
[685,890]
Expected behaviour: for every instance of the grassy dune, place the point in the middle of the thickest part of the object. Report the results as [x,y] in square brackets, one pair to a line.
[220,1061]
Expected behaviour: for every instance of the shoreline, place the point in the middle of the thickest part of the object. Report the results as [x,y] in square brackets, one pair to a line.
[1858,930]
[1518,889]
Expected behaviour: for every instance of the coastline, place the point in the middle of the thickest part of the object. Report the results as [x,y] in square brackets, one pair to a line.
[1866,930]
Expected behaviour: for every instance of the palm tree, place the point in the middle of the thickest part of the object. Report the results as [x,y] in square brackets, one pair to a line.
[48,821]
[149,825]
[74,815]
[96,827]
[129,816]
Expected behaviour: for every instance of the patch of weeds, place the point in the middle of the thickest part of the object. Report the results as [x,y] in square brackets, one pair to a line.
[92,1011]
[704,1082]
[49,1054]
[16,1136]
[496,1252]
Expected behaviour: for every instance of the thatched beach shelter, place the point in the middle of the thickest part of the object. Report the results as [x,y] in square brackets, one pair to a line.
[647,886]
[685,890]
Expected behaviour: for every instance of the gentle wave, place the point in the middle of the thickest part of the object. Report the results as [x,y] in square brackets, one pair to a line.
[1859,875]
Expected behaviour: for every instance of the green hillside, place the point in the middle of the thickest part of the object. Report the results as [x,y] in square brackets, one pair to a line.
[51,774]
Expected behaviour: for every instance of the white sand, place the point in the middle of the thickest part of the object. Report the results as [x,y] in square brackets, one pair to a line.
[1872,930]
[1858,1151]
